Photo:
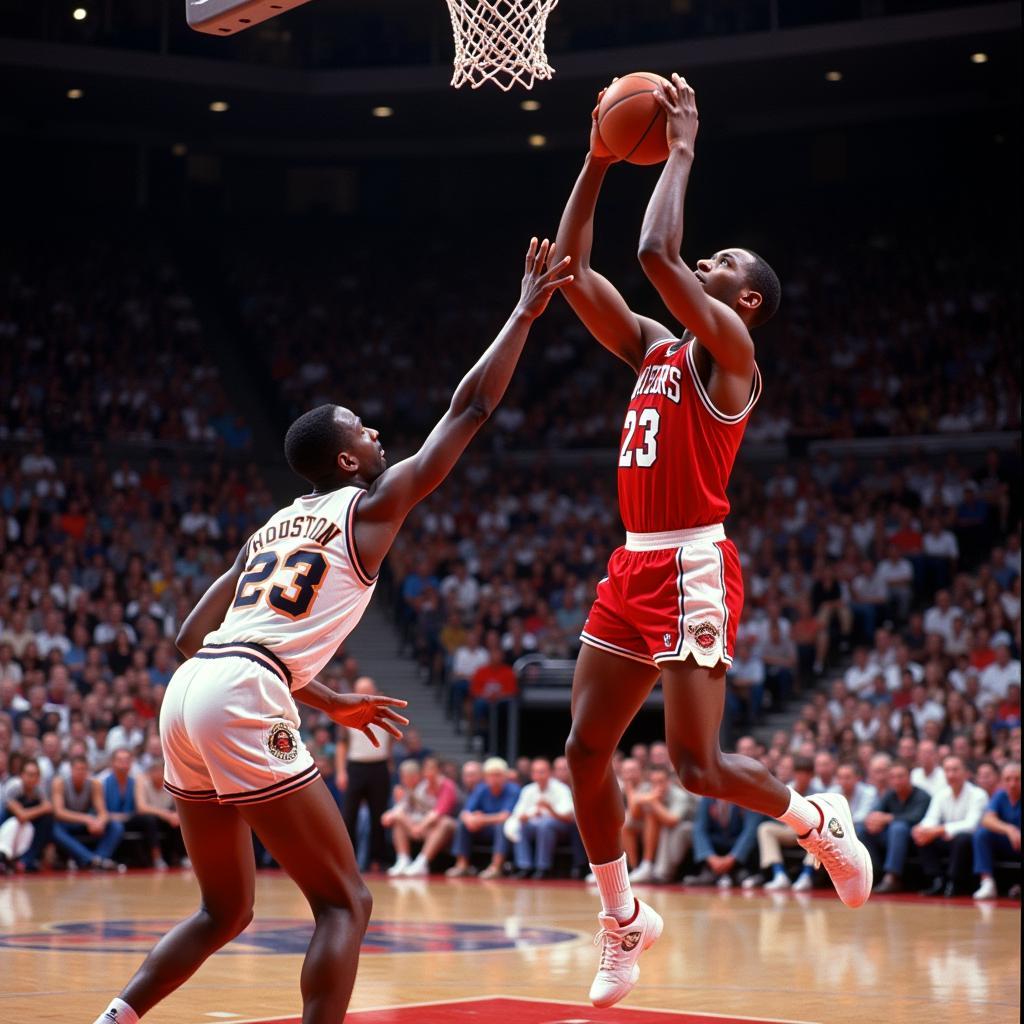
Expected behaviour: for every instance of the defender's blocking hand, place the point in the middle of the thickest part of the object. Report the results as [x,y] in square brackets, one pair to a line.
[540,284]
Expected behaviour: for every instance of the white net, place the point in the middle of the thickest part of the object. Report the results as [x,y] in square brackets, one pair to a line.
[500,41]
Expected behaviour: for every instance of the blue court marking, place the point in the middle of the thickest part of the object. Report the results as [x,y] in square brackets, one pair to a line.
[287,936]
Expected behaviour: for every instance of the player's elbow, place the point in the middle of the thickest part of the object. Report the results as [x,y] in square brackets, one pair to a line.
[185,642]
[655,255]
[478,411]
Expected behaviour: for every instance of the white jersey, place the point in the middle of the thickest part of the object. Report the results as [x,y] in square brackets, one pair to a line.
[303,589]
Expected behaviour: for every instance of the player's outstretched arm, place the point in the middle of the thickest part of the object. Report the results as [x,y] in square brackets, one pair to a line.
[718,328]
[209,613]
[594,298]
[394,493]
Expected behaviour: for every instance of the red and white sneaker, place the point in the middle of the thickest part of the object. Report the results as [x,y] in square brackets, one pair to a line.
[621,946]
[838,849]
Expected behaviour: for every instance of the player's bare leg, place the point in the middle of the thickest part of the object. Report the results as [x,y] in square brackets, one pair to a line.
[607,692]
[219,845]
[306,835]
[694,702]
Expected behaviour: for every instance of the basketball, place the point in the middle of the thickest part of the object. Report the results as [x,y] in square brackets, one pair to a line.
[631,122]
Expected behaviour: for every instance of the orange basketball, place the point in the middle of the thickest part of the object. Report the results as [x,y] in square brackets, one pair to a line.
[631,122]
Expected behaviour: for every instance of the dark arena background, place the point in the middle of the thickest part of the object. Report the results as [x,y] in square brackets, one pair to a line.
[204,237]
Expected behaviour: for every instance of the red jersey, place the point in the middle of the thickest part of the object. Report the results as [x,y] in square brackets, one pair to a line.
[677,449]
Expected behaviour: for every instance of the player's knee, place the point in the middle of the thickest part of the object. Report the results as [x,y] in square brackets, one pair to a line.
[579,751]
[364,905]
[703,777]
[228,922]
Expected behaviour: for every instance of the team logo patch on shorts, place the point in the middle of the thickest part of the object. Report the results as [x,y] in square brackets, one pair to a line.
[282,742]
[705,634]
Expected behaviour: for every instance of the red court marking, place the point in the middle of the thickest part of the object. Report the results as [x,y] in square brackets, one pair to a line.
[505,1010]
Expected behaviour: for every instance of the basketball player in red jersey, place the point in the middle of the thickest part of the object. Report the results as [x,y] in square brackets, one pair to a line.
[671,602]
[234,759]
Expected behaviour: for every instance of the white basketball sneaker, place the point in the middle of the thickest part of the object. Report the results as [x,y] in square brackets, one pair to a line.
[621,946]
[838,849]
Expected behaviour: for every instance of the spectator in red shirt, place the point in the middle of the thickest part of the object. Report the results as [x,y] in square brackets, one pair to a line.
[908,537]
[493,683]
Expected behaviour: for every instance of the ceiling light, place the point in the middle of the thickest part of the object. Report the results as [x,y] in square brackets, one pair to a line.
[79,14]
[530,105]
[75,94]
[219,106]
[383,111]
[833,76]
[537,141]
[979,58]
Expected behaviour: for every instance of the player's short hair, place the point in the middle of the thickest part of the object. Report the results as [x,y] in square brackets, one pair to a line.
[764,280]
[312,443]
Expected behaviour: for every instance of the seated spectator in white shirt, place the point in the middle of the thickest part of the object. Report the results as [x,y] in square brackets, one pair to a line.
[542,816]
[898,575]
[127,733]
[461,589]
[838,693]
[113,623]
[665,812]
[945,834]
[860,795]
[824,780]
[468,657]
[52,637]
[928,774]
[869,595]
[940,542]
[939,618]
[866,725]
[924,709]
[860,675]
[996,678]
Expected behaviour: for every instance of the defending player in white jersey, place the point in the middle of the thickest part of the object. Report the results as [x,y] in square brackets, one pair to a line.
[255,641]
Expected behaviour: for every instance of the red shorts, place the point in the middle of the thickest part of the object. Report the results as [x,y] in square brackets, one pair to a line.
[668,597]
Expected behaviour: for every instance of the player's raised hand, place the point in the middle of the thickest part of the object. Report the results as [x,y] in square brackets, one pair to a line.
[598,150]
[540,281]
[361,710]
[679,102]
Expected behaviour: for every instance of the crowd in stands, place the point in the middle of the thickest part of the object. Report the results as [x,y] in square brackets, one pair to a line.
[105,345]
[98,568]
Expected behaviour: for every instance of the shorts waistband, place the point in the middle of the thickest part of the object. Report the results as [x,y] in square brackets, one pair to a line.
[674,538]
[256,653]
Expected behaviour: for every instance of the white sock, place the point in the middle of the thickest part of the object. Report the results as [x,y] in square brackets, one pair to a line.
[420,859]
[801,816]
[118,1012]
[613,885]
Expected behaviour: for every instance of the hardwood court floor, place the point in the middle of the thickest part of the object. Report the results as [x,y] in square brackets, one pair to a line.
[68,943]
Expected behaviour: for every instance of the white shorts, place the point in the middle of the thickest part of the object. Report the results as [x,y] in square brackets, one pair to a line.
[230,729]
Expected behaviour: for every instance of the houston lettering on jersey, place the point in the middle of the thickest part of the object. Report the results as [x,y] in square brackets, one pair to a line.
[660,379]
[316,528]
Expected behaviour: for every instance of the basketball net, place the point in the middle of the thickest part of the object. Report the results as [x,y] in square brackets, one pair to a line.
[500,41]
